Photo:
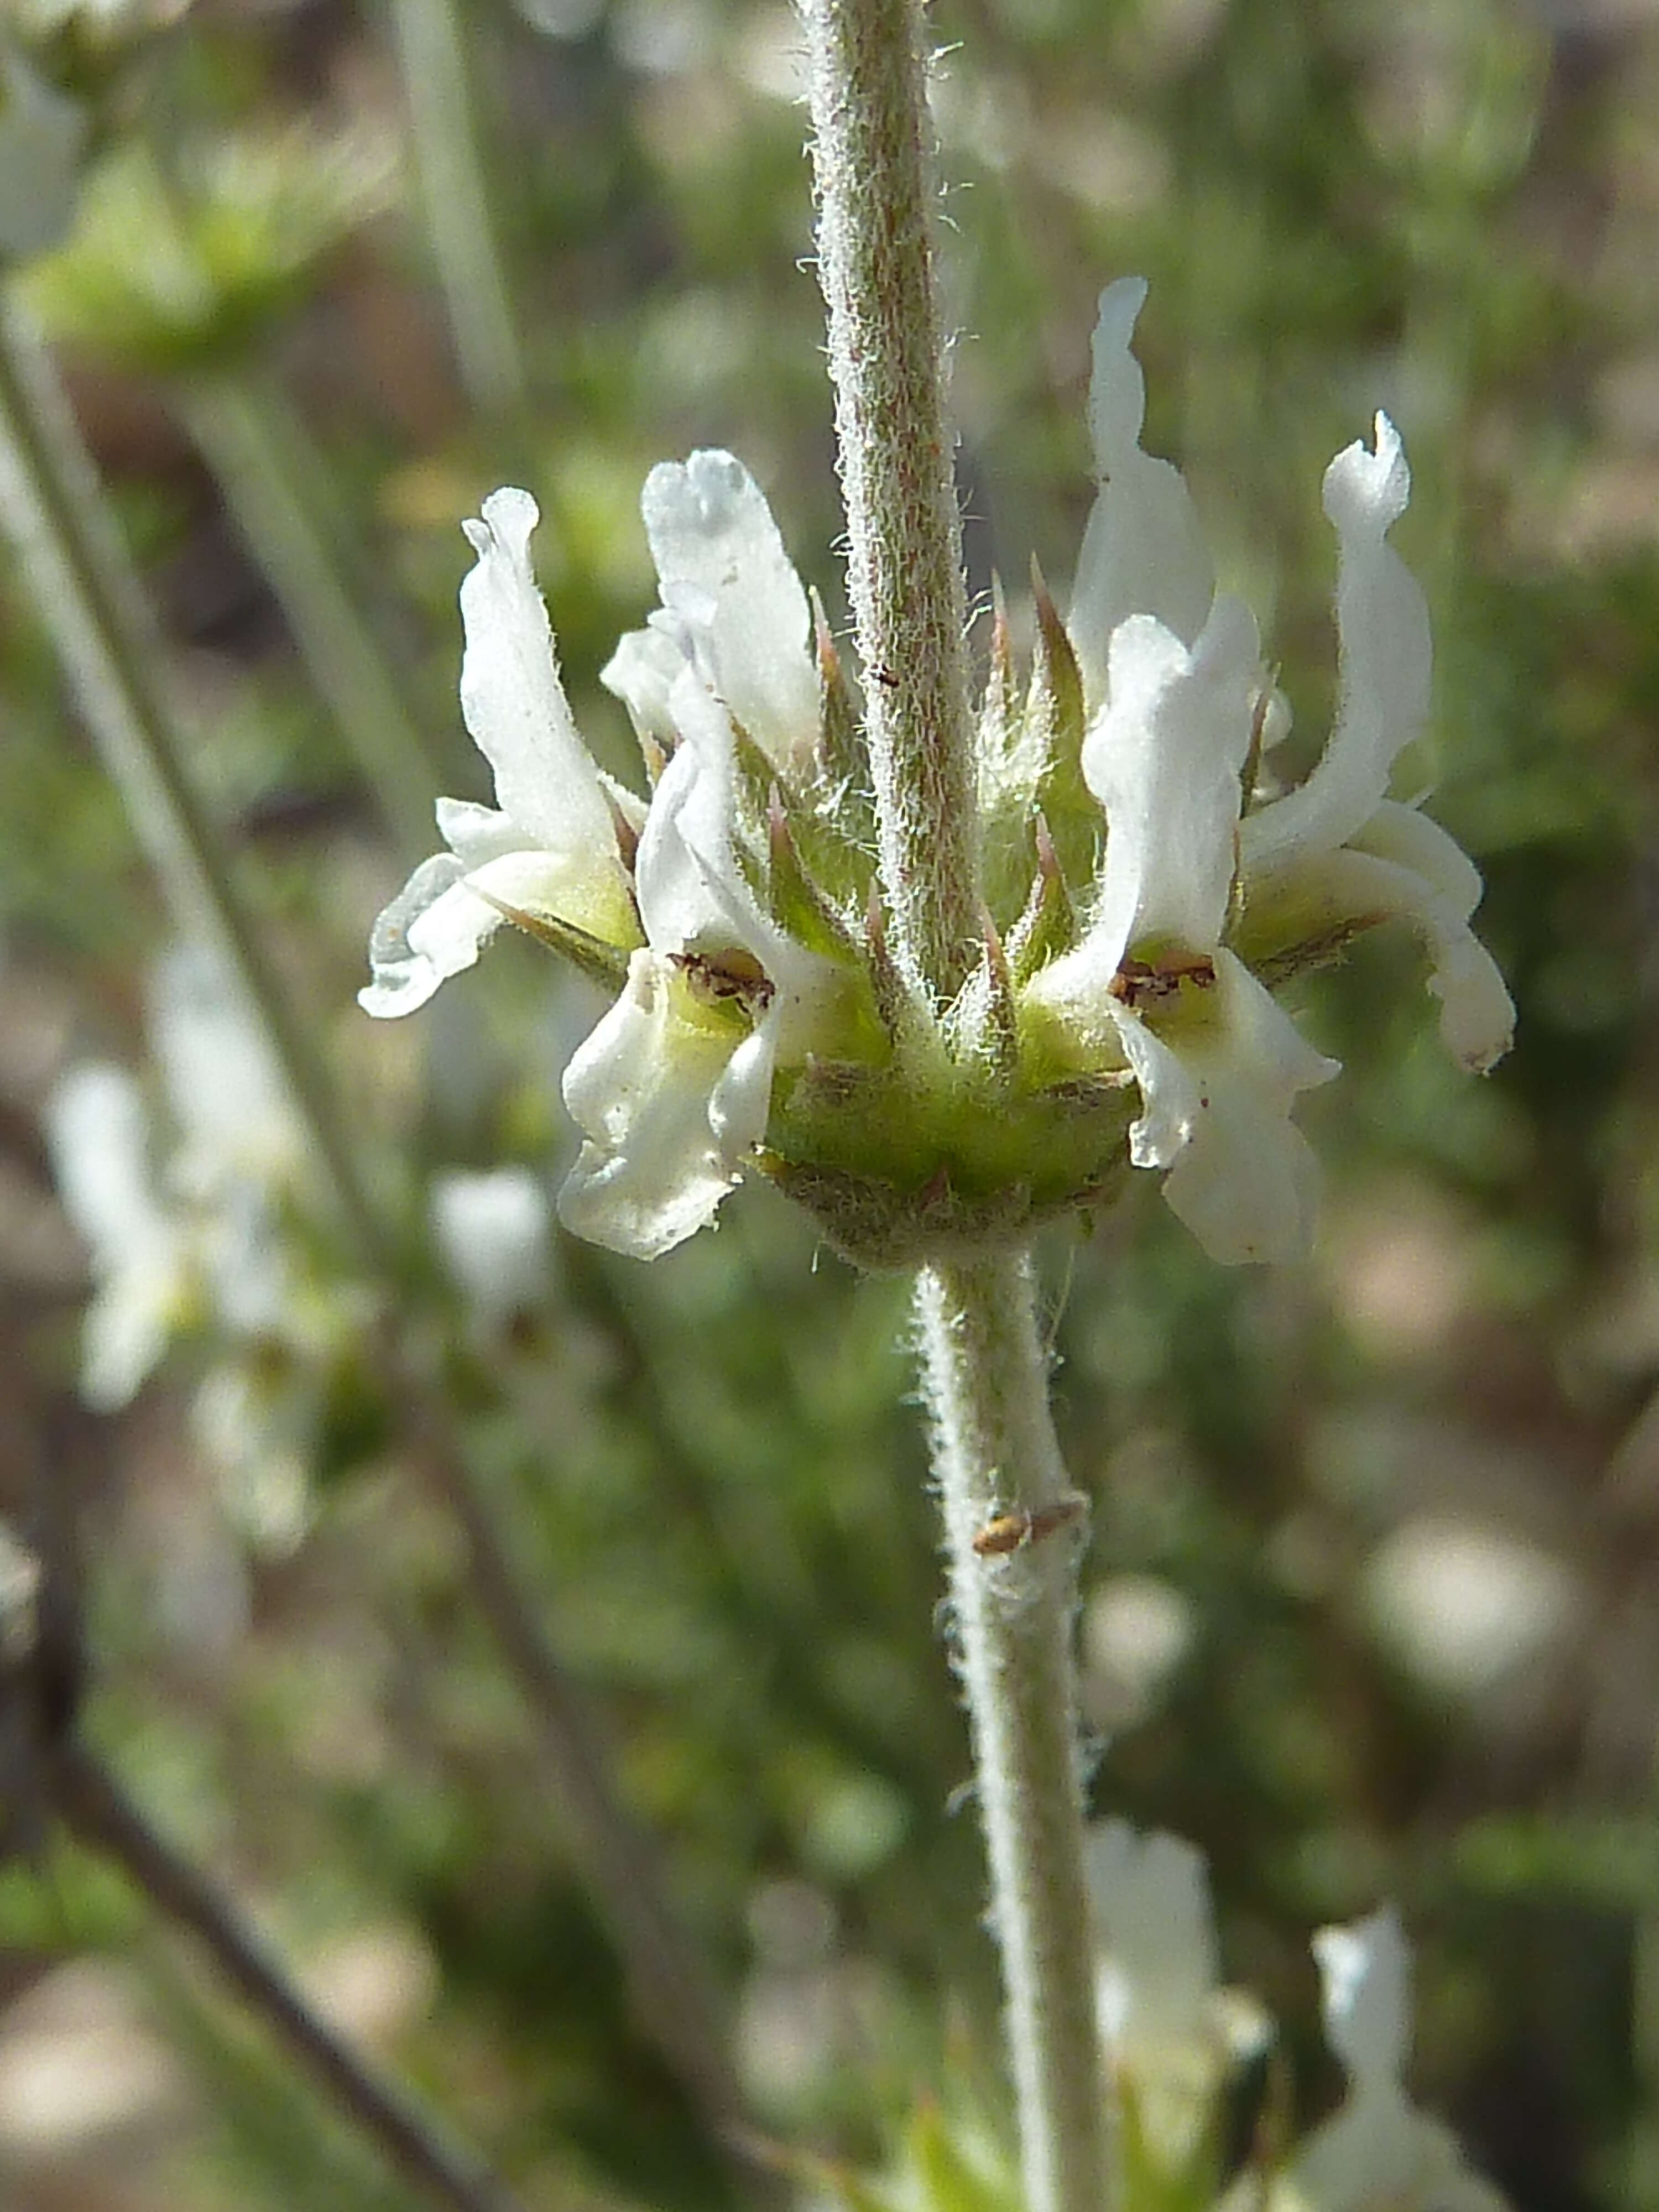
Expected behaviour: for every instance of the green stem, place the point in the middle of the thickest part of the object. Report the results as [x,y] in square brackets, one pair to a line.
[995,1458]
[983,1367]
[871,151]
[245,438]
[433,57]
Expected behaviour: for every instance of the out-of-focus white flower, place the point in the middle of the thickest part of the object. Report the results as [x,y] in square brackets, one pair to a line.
[1179,707]
[229,1104]
[1469,1607]
[1378,2153]
[43,142]
[1136,1631]
[98,1134]
[258,1428]
[206,1233]
[1158,1964]
[492,1231]
[1167,2029]
[101,21]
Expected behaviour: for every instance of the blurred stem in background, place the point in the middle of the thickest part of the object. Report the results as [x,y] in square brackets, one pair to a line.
[98,1811]
[51,507]
[432,58]
[984,1371]
[255,446]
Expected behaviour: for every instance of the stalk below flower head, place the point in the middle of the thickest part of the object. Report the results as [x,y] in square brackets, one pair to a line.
[1144,899]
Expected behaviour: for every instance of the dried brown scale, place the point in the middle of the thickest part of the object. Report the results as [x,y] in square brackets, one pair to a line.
[1013,1532]
[1145,982]
[734,977]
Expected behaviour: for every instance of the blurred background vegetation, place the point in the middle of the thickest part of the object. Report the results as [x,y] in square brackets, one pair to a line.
[1372,1605]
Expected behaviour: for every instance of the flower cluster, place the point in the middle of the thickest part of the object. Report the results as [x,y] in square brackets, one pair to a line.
[1145,885]
[207,1244]
[1172,2032]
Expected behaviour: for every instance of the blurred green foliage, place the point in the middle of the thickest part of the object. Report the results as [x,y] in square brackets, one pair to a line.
[707,1469]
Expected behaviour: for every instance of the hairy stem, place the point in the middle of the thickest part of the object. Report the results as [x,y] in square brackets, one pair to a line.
[247,438]
[1013,1600]
[100,1814]
[434,61]
[872,149]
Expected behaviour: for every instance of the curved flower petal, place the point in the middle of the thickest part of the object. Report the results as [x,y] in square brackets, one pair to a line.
[741,1101]
[405,975]
[475,833]
[1379,2150]
[652,1172]
[1142,551]
[692,892]
[641,672]
[686,877]
[515,708]
[1163,758]
[1216,1112]
[1386,658]
[1477,1014]
[1379,2153]
[1364,1972]
[724,572]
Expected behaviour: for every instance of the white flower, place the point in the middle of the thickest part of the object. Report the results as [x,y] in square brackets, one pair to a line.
[732,605]
[1159,1966]
[1217,1080]
[673,1088]
[1378,2153]
[549,849]
[1337,836]
[1167,2024]
[1178,702]
[208,1230]
[97,1132]
[492,1232]
[231,1108]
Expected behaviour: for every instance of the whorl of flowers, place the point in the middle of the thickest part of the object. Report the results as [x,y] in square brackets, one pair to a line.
[1146,887]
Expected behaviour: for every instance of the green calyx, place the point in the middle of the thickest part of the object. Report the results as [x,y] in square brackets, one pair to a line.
[922,1157]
